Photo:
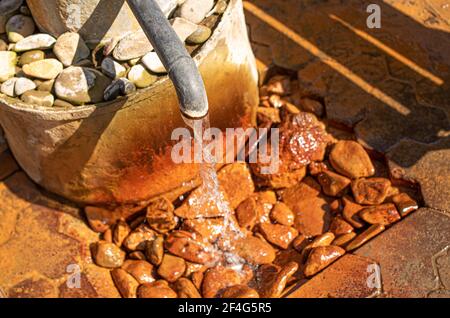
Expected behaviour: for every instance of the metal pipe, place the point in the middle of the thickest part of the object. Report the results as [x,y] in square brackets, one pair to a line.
[181,67]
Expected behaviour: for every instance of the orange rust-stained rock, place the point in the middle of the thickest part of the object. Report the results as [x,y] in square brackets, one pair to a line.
[190,247]
[171,268]
[158,289]
[351,212]
[139,237]
[370,191]
[365,236]
[239,291]
[320,257]
[160,216]
[332,183]
[277,234]
[125,283]
[217,279]
[384,214]
[404,203]
[254,250]
[236,181]
[141,270]
[312,216]
[339,226]
[100,219]
[282,214]
[350,159]
[186,289]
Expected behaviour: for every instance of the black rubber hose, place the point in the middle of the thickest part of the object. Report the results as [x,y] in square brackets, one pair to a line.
[179,64]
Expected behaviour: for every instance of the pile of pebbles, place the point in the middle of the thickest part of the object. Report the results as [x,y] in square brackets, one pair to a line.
[329,197]
[66,72]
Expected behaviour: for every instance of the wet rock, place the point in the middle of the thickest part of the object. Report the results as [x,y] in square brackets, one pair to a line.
[121,231]
[39,41]
[80,85]
[321,240]
[209,229]
[316,168]
[158,289]
[113,69]
[140,77]
[192,268]
[274,280]
[186,289]
[195,10]
[153,63]
[332,183]
[37,98]
[370,191]
[125,283]
[404,203]
[277,234]
[365,236]
[198,206]
[302,139]
[19,27]
[119,87]
[312,216]
[344,239]
[100,219]
[7,65]
[160,216]
[154,250]
[138,238]
[70,48]
[308,188]
[141,270]
[300,242]
[137,255]
[190,247]
[321,257]
[232,175]
[8,87]
[384,214]
[282,214]
[44,69]
[23,85]
[197,279]
[217,279]
[247,213]
[133,45]
[339,226]
[171,268]
[108,255]
[350,159]
[31,56]
[239,291]
[351,213]
[201,35]
[254,250]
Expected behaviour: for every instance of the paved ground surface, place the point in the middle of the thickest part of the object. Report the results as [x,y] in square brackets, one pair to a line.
[391,85]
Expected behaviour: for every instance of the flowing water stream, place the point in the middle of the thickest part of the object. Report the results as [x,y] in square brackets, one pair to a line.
[213,197]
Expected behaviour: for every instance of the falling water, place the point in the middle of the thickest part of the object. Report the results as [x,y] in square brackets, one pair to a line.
[211,195]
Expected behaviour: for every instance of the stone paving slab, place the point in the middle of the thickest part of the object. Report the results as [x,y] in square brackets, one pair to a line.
[42,241]
[429,165]
[414,256]
[349,277]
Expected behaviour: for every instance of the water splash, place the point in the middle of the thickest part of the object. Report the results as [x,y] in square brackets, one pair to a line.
[212,197]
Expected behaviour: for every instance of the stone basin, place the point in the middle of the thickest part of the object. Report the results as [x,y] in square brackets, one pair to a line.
[119,152]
